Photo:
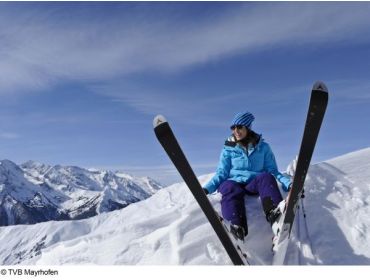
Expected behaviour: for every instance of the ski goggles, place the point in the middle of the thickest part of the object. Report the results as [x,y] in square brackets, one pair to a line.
[238,127]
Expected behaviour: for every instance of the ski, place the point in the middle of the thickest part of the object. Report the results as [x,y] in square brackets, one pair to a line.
[315,116]
[169,143]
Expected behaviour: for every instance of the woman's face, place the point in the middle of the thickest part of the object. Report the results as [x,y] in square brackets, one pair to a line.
[239,131]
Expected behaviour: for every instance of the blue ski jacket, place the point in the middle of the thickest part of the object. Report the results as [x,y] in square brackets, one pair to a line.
[242,165]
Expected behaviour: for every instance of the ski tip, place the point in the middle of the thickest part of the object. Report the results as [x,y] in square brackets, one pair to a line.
[320,86]
[158,120]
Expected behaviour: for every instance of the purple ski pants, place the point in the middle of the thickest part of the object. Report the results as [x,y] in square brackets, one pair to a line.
[232,202]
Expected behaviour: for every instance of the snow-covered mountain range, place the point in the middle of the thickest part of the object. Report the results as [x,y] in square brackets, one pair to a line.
[169,227]
[35,192]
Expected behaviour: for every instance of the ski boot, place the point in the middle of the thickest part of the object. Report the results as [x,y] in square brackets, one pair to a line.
[238,232]
[275,218]
[272,213]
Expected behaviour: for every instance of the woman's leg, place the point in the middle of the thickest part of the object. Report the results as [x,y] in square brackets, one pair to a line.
[265,185]
[232,203]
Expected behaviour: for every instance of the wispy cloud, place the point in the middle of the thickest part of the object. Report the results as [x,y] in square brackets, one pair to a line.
[149,100]
[351,91]
[38,49]
[9,135]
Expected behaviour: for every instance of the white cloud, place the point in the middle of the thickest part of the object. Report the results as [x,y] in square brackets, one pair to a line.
[39,51]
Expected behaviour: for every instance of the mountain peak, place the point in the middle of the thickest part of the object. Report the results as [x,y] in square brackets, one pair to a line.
[8,165]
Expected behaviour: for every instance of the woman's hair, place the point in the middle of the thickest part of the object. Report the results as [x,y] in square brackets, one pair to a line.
[252,138]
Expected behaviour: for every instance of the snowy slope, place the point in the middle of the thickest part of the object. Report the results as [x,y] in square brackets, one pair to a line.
[338,203]
[169,228]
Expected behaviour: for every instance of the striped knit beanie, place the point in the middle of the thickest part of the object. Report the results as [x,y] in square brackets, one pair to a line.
[244,119]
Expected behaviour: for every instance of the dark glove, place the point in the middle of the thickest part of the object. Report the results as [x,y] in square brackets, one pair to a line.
[205,191]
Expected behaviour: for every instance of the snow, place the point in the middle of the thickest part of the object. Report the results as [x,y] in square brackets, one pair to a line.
[68,192]
[169,228]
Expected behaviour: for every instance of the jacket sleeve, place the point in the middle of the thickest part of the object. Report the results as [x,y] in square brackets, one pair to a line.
[271,167]
[222,173]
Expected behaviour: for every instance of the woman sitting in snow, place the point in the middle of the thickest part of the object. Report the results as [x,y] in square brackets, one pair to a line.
[247,166]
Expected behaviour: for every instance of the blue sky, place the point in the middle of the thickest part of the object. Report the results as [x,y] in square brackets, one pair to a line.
[80,83]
